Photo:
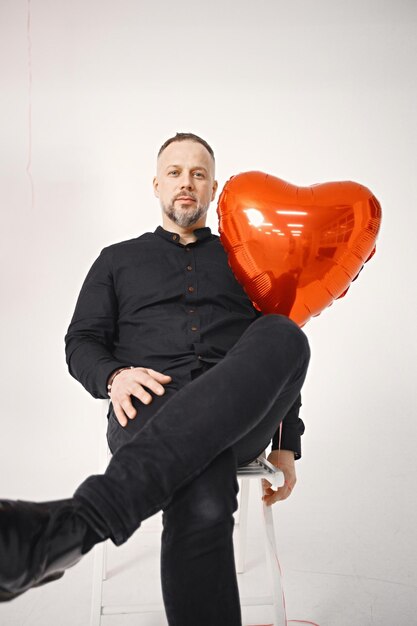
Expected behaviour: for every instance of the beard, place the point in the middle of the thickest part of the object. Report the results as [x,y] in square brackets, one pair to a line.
[183,215]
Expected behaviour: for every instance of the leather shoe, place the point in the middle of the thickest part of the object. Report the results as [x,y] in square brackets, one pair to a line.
[38,542]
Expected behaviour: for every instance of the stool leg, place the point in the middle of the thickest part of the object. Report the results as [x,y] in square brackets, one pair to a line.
[279,616]
[104,567]
[100,550]
[98,577]
[243,525]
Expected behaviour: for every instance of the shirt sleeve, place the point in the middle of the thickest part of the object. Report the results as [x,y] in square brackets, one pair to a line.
[90,336]
[292,429]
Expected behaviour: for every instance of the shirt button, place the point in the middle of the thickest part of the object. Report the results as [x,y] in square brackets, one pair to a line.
[189,268]
[175,237]
[191,311]
[188,249]
[191,289]
[194,328]
[199,357]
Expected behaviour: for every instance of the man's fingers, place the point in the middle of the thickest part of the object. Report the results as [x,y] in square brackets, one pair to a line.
[154,379]
[140,393]
[271,496]
[131,383]
[128,408]
[284,460]
[151,380]
[276,496]
[120,415]
[158,375]
[124,411]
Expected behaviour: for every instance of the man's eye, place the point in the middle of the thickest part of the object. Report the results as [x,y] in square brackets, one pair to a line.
[199,174]
[173,172]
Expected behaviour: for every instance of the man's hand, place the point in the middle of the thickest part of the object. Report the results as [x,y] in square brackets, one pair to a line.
[131,382]
[284,460]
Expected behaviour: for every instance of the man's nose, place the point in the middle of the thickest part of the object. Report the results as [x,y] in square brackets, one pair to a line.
[186,181]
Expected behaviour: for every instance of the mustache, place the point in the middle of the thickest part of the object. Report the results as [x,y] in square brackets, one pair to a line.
[185,195]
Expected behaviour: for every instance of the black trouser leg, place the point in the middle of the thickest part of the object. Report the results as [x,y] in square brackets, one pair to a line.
[259,379]
[198,573]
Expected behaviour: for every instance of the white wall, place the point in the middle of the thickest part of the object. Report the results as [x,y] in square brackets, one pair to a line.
[306,90]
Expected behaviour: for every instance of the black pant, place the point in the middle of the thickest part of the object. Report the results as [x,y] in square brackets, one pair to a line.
[183,460]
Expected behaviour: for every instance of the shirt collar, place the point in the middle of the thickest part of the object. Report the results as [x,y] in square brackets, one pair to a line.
[200,233]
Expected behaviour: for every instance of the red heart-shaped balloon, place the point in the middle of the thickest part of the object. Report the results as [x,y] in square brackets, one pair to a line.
[296,249]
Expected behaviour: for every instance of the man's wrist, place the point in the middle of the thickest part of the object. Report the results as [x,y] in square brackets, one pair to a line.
[114,374]
[286,453]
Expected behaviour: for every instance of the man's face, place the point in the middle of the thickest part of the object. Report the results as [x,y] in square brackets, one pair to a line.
[184,182]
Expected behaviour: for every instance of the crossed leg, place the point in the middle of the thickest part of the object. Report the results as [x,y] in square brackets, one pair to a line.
[182,448]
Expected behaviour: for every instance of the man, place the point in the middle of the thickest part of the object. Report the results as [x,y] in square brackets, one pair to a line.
[199,382]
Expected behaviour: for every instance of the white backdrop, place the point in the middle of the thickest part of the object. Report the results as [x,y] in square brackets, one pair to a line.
[307,90]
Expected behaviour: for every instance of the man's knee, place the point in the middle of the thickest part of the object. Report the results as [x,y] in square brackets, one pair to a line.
[209,499]
[212,509]
[202,511]
[279,331]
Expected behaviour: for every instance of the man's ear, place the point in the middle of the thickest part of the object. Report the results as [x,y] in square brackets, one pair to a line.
[155,186]
[215,185]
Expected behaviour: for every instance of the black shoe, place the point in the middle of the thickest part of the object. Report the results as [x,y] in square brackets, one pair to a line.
[38,542]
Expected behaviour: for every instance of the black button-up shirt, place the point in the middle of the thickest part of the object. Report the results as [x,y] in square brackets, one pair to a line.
[155,302]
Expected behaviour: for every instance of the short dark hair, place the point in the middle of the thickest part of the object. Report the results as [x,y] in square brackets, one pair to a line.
[186,137]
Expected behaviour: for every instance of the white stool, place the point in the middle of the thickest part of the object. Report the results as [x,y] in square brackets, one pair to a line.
[258,469]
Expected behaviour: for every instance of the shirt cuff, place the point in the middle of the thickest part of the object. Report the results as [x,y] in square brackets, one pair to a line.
[289,441]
